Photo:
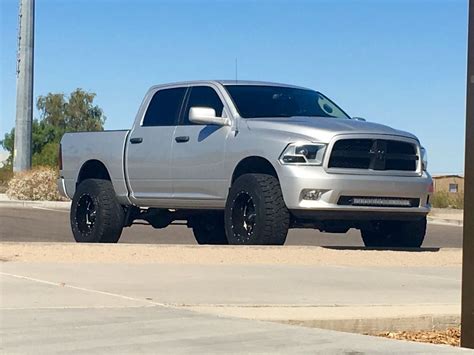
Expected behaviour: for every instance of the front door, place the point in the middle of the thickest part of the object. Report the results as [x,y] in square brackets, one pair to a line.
[198,153]
[149,147]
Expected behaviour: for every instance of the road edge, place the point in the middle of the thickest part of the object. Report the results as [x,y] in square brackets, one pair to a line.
[66,205]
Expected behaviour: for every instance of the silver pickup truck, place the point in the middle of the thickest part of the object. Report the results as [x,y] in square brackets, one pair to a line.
[241,162]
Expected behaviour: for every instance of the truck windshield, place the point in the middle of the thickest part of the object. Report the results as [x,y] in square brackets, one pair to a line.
[253,101]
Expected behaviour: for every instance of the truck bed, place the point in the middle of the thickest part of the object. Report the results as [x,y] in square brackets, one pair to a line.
[105,146]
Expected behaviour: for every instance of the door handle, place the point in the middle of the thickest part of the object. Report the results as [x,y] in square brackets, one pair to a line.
[137,140]
[182,139]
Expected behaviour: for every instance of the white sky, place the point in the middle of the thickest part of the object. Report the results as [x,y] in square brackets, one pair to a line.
[3,156]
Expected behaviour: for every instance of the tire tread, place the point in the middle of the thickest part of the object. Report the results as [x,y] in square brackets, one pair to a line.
[111,213]
[276,218]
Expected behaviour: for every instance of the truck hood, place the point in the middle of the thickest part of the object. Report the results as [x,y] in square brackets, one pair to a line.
[322,129]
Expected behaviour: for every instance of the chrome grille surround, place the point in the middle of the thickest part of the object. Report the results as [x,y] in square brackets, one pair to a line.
[374,155]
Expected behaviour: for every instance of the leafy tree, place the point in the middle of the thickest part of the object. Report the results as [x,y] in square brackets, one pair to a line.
[7,144]
[58,114]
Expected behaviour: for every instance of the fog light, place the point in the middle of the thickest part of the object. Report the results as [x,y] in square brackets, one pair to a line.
[374,201]
[311,194]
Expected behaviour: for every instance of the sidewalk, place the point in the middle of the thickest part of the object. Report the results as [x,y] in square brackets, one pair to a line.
[150,330]
[197,304]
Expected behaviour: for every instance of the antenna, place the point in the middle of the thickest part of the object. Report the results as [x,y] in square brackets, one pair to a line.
[236,71]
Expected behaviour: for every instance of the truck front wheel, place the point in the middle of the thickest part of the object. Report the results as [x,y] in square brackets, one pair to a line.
[96,216]
[393,234]
[255,212]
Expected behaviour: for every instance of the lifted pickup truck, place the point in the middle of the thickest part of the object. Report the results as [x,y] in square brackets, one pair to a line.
[242,162]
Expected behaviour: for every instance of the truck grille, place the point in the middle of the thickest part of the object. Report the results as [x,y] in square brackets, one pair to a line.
[374,154]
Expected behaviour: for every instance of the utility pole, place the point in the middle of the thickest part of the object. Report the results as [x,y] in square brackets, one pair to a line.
[24,86]
[467,316]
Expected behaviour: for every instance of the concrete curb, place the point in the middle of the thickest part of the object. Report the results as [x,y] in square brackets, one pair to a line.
[364,319]
[59,205]
[445,221]
[380,325]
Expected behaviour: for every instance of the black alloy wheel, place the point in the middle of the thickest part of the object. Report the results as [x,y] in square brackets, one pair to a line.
[244,217]
[86,214]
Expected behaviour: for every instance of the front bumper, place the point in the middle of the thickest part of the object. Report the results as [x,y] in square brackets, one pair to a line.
[62,187]
[295,179]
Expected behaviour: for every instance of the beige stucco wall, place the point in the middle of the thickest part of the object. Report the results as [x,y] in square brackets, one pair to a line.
[442,183]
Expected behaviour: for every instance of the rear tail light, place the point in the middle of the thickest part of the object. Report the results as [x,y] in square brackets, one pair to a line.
[431,188]
[60,157]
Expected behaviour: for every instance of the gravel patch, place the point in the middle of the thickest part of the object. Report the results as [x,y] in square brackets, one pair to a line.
[450,336]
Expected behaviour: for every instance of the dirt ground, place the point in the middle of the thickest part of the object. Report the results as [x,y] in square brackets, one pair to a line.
[450,336]
[230,255]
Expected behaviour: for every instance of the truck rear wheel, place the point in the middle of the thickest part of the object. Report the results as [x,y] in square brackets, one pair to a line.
[255,212]
[392,234]
[209,229]
[96,216]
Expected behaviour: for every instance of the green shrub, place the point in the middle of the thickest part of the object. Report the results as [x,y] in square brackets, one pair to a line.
[6,174]
[36,184]
[443,199]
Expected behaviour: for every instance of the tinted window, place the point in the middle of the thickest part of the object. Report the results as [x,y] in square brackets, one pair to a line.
[203,96]
[276,101]
[164,107]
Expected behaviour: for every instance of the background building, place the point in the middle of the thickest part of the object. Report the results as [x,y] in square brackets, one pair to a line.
[453,183]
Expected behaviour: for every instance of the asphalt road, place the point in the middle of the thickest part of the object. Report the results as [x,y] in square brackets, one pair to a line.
[41,225]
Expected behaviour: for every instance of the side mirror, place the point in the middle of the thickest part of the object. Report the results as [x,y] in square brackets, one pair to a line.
[359,119]
[206,115]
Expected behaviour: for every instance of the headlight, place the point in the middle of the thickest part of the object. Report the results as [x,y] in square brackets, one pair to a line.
[298,153]
[424,159]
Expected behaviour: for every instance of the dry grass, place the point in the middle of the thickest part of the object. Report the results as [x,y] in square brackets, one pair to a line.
[36,184]
[443,199]
[450,336]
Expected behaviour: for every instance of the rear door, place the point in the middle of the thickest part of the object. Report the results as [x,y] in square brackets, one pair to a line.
[198,153]
[149,147]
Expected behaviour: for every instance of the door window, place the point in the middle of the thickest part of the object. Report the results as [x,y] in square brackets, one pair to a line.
[203,96]
[164,108]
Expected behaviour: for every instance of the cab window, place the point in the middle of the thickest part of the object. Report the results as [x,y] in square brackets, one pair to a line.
[164,107]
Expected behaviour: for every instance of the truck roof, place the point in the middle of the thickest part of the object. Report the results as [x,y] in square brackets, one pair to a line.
[230,82]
